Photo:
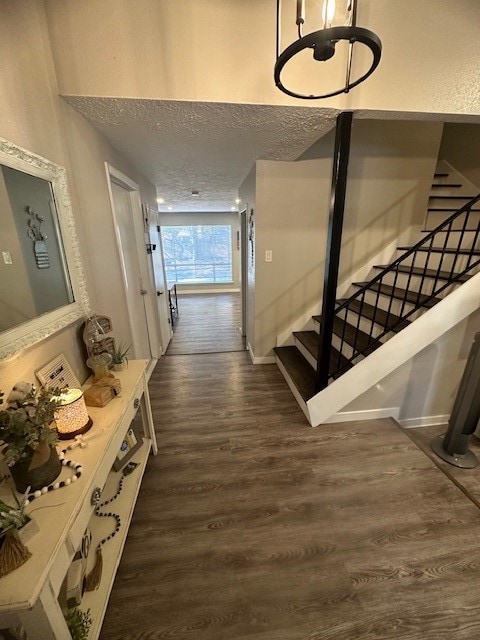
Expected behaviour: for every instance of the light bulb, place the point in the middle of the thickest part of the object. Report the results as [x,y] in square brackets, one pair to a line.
[328,12]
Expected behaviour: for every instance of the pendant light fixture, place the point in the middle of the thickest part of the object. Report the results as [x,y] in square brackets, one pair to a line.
[334,21]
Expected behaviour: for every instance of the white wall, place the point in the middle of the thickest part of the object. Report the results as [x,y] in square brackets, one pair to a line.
[389,178]
[34,117]
[461,149]
[291,217]
[143,49]
[88,152]
[226,218]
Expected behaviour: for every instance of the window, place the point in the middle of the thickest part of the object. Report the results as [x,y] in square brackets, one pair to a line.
[198,254]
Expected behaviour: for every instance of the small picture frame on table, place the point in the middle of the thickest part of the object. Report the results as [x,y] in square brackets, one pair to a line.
[130,444]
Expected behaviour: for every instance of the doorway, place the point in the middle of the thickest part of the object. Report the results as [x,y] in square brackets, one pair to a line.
[127,218]
[207,323]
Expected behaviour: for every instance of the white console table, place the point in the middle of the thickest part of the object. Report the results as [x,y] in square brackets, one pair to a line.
[29,595]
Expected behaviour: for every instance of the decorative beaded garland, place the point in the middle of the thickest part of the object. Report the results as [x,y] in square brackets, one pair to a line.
[94,577]
[58,485]
[100,505]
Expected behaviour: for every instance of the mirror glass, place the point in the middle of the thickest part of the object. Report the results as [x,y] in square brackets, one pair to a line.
[42,282]
[34,277]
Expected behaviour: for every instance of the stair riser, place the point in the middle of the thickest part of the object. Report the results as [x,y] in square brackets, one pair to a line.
[366,325]
[301,403]
[383,302]
[442,261]
[427,287]
[439,197]
[435,218]
[306,353]
[352,318]
[457,241]
[345,349]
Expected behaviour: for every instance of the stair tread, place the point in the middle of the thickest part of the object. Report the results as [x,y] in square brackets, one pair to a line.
[450,197]
[398,292]
[311,339]
[440,174]
[381,317]
[463,252]
[302,374]
[447,184]
[448,210]
[428,273]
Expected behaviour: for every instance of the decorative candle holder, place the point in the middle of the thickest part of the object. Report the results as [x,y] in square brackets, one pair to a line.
[99,365]
[71,417]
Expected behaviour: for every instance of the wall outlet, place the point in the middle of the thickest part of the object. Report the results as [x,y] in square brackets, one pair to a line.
[268,255]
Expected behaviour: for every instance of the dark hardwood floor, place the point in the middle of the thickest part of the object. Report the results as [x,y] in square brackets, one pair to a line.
[252,525]
[207,323]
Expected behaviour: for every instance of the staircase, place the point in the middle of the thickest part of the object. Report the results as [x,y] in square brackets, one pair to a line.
[418,278]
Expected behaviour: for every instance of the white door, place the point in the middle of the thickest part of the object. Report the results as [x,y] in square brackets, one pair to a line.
[127,217]
[161,287]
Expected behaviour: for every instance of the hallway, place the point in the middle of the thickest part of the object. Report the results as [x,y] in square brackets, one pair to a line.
[207,323]
[251,525]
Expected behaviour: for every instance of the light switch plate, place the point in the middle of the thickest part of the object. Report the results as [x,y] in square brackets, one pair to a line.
[7,257]
[268,255]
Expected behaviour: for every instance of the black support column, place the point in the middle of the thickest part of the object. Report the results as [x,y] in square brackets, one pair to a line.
[334,241]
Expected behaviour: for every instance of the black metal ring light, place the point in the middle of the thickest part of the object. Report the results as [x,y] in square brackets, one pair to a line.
[323,42]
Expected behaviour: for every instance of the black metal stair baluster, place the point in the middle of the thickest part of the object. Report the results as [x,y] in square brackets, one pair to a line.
[474,247]
[428,254]
[355,347]
[375,309]
[359,314]
[443,256]
[390,303]
[460,241]
[407,285]
[342,335]
[334,240]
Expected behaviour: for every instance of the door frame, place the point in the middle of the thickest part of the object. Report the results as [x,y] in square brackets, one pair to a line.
[157,240]
[117,177]
[244,267]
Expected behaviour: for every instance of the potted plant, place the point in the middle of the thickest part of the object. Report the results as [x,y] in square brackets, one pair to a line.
[26,439]
[78,623]
[119,357]
[13,521]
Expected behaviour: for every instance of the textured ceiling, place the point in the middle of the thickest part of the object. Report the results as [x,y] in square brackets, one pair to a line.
[208,147]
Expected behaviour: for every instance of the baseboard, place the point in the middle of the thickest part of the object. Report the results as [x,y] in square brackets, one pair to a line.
[423,421]
[150,367]
[366,414]
[260,359]
[188,292]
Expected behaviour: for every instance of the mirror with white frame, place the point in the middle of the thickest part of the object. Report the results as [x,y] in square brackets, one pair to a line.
[42,283]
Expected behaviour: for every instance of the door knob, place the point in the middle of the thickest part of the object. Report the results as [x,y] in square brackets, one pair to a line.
[159,293]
